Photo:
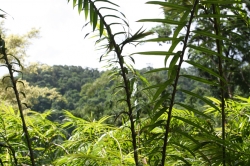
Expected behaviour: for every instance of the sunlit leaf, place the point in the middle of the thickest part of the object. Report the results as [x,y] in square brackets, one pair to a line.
[205,69]
[86,8]
[200,79]
[210,35]
[168,4]
[163,21]
[201,98]
[80,6]
[156,53]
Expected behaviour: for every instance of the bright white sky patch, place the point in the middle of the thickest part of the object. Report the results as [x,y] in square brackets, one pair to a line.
[62,38]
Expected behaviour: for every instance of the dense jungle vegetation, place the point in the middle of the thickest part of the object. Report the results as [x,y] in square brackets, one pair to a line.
[198,115]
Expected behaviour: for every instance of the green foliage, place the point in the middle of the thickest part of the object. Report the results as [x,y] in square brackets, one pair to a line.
[13,65]
[67,80]
[44,134]
[31,94]
[17,44]
[95,98]
[210,51]
[95,143]
[121,70]
[194,140]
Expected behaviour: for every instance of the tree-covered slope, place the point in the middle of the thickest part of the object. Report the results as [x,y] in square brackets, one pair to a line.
[68,81]
[90,93]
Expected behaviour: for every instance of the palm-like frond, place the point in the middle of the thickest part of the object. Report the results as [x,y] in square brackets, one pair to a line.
[188,15]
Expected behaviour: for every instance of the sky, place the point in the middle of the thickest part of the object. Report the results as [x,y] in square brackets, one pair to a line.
[62,39]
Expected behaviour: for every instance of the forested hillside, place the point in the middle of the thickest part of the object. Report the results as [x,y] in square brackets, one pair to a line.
[67,80]
[88,92]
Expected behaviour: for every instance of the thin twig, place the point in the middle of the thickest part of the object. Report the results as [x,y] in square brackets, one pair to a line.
[118,51]
[1,162]
[14,86]
[223,115]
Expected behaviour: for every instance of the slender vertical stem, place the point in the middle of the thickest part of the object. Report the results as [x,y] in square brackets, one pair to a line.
[13,154]
[219,50]
[167,127]
[118,52]
[130,111]
[1,162]
[14,86]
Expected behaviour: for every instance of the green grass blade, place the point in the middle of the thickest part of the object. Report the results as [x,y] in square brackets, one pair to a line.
[101,27]
[208,102]
[163,39]
[205,69]
[95,19]
[169,5]
[189,108]
[107,2]
[155,53]
[74,3]
[216,16]
[86,8]
[191,123]
[163,21]
[91,11]
[162,88]
[79,6]
[203,50]
[207,34]
[200,79]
